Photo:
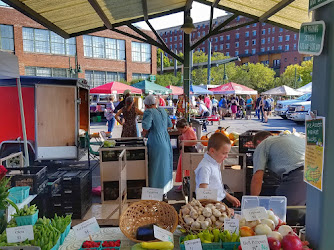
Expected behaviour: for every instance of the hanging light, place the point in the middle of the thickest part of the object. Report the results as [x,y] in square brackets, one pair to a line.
[299,79]
[225,77]
[188,25]
[72,71]
[79,69]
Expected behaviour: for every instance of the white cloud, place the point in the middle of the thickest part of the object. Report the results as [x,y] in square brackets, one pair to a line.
[199,12]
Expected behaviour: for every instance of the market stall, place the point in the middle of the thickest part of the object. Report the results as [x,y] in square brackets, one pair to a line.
[148,87]
[114,88]
[175,90]
[282,91]
[233,88]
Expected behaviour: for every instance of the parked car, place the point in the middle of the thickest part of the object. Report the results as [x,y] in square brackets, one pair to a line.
[298,111]
[282,106]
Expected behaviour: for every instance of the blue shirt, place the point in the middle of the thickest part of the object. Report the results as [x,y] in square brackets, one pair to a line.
[249,102]
[280,154]
[222,103]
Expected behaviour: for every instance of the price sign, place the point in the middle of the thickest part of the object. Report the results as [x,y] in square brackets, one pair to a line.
[193,244]
[257,213]
[162,234]
[152,194]
[84,229]
[19,234]
[231,225]
[258,242]
[205,193]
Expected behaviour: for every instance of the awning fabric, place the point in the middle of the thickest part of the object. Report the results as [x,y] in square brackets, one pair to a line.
[196,90]
[306,88]
[175,90]
[233,88]
[78,17]
[114,87]
[151,88]
[282,90]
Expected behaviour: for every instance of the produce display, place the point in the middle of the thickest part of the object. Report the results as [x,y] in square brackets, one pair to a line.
[210,236]
[61,222]
[201,215]
[233,136]
[26,211]
[45,236]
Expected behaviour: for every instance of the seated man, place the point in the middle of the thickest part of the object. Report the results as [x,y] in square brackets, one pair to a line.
[284,155]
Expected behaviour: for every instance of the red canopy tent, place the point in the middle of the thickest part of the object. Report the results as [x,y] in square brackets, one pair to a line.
[233,88]
[111,87]
[175,90]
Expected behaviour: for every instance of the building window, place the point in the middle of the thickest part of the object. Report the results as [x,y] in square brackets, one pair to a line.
[263,49]
[237,35]
[221,47]
[307,58]
[269,29]
[273,30]
[141,52]
[227,53]
[286,47]
[165,40]
[175,38]
[203,26]
[247,34]
[263,24]
[4,4]
[295,36]
[254,42]
[280,39]
[236,53]
[47,72]
[171,39]
[246,51]
[268,48]
[171,32]
[254,25]
[238,18]
[96,78]
[277,63]
[198,34]
[46,41]
[180,37]
[294,46]
[228,37]
[247,26]
[273,39]
[280,47]
[295,59]
[138,76]
[102,47]
[285,59]
[221,38]
[253,51]
[287,38]
[216,39]
[246,43]
[280,29]
[263,41]
[216,47]
[227,46]
[180,45]
[175,46]
[175,32]
[198,26]
[254,32]
[263,32]
[203,33]
[203,49]
[273,48]
[6,37]
[268,39]
[237,44]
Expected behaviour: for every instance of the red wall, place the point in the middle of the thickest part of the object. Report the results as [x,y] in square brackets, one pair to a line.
[10,118]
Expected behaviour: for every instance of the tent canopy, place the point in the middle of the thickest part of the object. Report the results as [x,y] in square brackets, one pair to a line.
[282,90]
[175,90]
[63,17]
[196,90]
[9,66]
[306,88]
[233,88]
[111,87]
[151,88]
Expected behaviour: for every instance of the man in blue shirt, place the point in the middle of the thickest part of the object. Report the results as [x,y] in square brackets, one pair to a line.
[222,105]
[284,155]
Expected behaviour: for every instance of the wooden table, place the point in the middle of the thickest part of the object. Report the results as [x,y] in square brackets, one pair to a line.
[107,233]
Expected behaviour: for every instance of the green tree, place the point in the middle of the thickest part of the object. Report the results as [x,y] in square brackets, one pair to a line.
[166,59]
[169,79]
[304,70]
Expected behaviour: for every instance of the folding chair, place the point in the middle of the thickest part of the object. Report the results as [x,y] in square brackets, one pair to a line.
[92,154]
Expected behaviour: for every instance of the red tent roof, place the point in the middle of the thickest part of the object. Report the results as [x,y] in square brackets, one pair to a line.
[175,90]
[110,87]
[233,88]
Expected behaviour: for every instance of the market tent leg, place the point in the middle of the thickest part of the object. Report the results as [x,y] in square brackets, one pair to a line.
[320,205]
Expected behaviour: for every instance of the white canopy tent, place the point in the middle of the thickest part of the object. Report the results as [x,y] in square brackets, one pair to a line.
[9,69]
[306,88]
[282,90]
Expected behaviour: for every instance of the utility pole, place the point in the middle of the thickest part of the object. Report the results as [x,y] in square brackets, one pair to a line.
[209,65]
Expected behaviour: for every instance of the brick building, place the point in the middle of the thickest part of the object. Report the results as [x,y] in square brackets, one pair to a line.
[103,56]
[259,42]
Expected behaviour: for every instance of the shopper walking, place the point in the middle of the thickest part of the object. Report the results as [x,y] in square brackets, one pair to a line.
[264,109]
[234,107]
[249,105]
[109,114]
[160,155]
[257,107]
[214,105]
[204,113]
[222,105]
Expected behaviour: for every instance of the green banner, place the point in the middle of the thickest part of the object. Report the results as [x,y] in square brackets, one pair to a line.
[311,38]
[314,132]
[315,4]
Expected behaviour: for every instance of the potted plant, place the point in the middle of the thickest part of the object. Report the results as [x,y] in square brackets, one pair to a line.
[4,201]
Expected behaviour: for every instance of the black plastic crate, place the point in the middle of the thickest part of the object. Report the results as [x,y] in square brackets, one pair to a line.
[75,180]
[28,176]
[134,189]
[54,185]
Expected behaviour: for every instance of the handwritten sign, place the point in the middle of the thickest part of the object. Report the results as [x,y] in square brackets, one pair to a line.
[19,234]
[152,194]
[162,234]
[257,213]
[193,244]
[84,229]
[311,38]
[205,193]
[231,225]
[258,242]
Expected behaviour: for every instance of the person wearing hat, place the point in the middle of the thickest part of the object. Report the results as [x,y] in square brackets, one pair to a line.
[160,155]
[121,104]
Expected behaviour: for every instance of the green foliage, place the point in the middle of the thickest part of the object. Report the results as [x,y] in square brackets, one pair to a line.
[169,79]
[166,59]
[304,71]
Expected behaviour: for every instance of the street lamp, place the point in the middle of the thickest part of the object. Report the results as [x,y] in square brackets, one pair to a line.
[188,25]
[77,69]
[225,75]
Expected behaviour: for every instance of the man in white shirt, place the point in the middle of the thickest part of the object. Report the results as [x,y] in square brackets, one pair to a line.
[203,112]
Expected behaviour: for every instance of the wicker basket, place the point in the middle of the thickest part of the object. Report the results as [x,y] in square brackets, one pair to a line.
[204,203]
[146,212]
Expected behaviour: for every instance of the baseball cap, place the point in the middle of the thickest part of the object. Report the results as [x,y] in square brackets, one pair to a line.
[126,92]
